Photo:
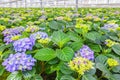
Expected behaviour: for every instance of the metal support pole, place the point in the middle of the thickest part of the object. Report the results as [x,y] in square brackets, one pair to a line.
[76,2]
[107,1]
[30,3]
[64,4]
[41,4]
[16,4]
[25,3]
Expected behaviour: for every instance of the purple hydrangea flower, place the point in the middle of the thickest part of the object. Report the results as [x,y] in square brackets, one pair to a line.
[13,31]
[85,52]
[8,39]
[38,35]
[24,44]
[110,27]
[19,61]
[9,33]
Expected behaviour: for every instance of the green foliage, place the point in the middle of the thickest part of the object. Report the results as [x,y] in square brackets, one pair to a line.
[66,54]
[15,76]
[45,54]
[65,39]
[116,49]
[88,77]
[1,70]
[60,38]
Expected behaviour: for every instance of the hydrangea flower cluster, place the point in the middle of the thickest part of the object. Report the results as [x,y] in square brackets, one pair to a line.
[112,62]
[24,44]
[110,27]
[42,37]
[11,38]
[32,29]
[88,17]
[59,18]
[19,61]
[81,65]
[110,43]
[96,18]
[2,27]
[13,31]
[12,34]
[85,52]
[39,35]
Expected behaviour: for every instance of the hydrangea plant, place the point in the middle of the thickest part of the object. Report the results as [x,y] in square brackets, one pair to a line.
[60,44]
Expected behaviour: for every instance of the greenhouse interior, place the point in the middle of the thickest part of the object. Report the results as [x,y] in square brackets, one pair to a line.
[59,39]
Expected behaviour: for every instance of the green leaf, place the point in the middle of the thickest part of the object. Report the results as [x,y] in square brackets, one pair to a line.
[116,48]
[93,36]
[58,76]
[95,48]
[3,47]
[76,45]
[53,25]
[60,38]
[91,71]
[101,59]
[45,54]
[102,67]
[105,71]
[73,36]
[66,54]
[67,77]
[116,69]
[116,76]
[88,77]
[15,76]
[2,69]
[55,67]
[65,69]
[38,77]
[28,74]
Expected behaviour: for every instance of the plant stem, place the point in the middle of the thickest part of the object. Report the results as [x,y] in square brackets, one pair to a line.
[79,76]
[42,64]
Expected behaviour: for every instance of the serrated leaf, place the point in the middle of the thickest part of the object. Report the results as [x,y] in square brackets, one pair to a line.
[93,36]
[116,48]
[116,76]
[15,76]
[67,77]
[76,45]
[88,77]
[2,69]
[73,36]
[60,38]
[105,71]
[91,71]
[100,59]
[65,69]
[45,54]
[95,48]
[102,67]
[116,69]
[38,77]
[66,54]
[53,25]
[28,74]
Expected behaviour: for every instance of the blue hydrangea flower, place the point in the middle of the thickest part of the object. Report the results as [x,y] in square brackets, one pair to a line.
[11,38]
[13,31]
[19,61]
[38,35]
[24,44]
[110,27]
[10,33]
[85,52]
